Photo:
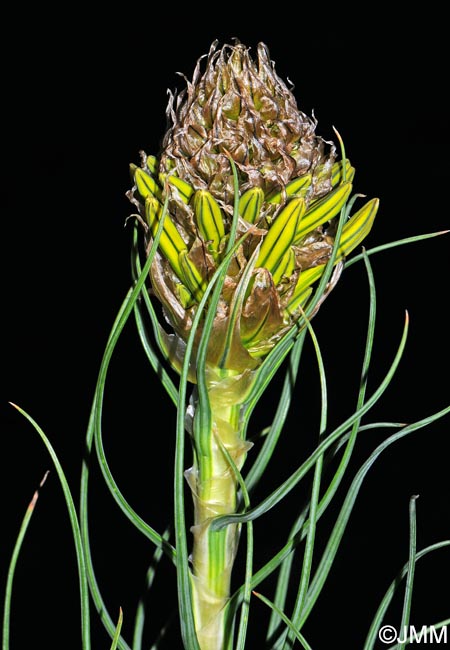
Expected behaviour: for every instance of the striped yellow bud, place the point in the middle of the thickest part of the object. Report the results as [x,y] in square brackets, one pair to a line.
[191,276]
[286,266]
[185,191]
[209,219]
[281,234]
[146,184]
[323,210]
[353,233]
[337,172]
[250,204]
[171,243]
[297,187]
[357,228]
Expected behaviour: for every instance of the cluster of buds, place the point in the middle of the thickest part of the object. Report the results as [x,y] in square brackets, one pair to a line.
[237,142]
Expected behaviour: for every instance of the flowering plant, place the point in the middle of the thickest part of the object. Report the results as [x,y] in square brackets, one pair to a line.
[243,225]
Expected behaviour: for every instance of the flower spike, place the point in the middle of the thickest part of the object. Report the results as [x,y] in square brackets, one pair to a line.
[237,141]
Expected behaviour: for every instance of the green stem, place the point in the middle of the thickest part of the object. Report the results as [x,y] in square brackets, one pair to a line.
[214,489]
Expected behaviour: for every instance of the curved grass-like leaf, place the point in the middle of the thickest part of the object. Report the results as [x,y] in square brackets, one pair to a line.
[340,472]
[155,362]
[81,564]
[13,563]
[394,244]
[203,416]
[411,566]
[94,433]
[277,355]
[372,635]
[262,460]
[116,637]
[140,611]
[183,580]
[300,638]
[314,499]
[278,494]
[202,426]
[299,528]
[344,515]
[247,586]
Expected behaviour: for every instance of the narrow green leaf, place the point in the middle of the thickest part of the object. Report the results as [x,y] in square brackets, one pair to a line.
[278,494]
[138,522]
[372,635]
[394,244]
[140,611]
[94,433]
[116,637]
[265,454]
[81,564]
[147,343]
[284,577]
[411,567]
[344,515]
[13,563]
[299,529]
[286,620]
[314,499]
[235,310]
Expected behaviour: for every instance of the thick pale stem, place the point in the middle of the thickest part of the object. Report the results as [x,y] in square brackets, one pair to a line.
[214,485]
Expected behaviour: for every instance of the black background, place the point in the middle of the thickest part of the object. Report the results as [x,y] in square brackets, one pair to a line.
[81,97]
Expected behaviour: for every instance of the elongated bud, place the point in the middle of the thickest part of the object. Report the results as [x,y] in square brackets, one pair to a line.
[281,234]
[208,217]
[297,187]
[146,184]
[151,162]
[353,233]
[285,267]
[250,204]
[342,172]
[323,210]
[171,244]
[191,276]
[185,191]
